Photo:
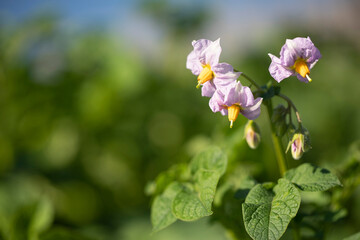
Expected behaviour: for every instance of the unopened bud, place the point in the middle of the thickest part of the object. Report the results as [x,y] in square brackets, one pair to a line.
[252,134]
[297,146]
[299,143]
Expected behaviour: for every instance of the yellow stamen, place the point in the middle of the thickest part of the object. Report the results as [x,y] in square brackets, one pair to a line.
[205,75]
[233,113]
[302,68]
[308,78]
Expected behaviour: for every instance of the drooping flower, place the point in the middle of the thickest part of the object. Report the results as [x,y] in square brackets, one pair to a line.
[297,57]
[234,99]
[252,134]
[203,61]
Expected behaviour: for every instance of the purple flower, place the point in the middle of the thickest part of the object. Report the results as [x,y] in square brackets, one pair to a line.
[297,57]
[234,99]
[204,62]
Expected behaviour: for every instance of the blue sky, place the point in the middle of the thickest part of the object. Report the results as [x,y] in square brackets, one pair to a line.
[237,22]
[85,12]
[81,12]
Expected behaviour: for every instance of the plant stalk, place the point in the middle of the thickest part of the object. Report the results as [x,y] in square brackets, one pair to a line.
[296,231]
[250,80]
[278,148]
[292,105]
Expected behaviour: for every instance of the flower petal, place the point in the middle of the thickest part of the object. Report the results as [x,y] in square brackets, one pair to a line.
[246,97]
[303,47]
[224,111]
[216,102]
[193,63]
[221,83]
[277,70]
[288,53]
[224,74]
[302,79]
[315,55]
[213,53]
[222,69]
[208,89]
[208,52]
[232,93]
[253,111]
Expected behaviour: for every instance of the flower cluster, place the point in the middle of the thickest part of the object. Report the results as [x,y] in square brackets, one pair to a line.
[219,82]
[229,97]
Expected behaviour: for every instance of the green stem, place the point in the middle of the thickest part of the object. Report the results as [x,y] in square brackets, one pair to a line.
[292,105]
[250,80]
[278,148]
[296,231]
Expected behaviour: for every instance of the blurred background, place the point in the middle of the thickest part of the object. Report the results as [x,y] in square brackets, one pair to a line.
[95,101]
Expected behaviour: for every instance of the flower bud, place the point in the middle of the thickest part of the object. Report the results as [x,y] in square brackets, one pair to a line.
[252,134]
[299,143]
[297,146]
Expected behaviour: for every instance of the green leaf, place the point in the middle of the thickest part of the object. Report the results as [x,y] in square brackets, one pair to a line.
[195,200]
[279,120]
[228,200]
[279,113]
[178,172]
[161,213]
[230,215]
[212,159]
[187,206]
[190,200]
[311,178]
[267,213]
[270,92]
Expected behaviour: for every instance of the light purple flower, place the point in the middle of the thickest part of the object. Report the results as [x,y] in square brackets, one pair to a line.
[297,57]
[204,62]
[234,99]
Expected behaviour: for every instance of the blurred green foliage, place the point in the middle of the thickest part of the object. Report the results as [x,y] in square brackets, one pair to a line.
[86,124]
